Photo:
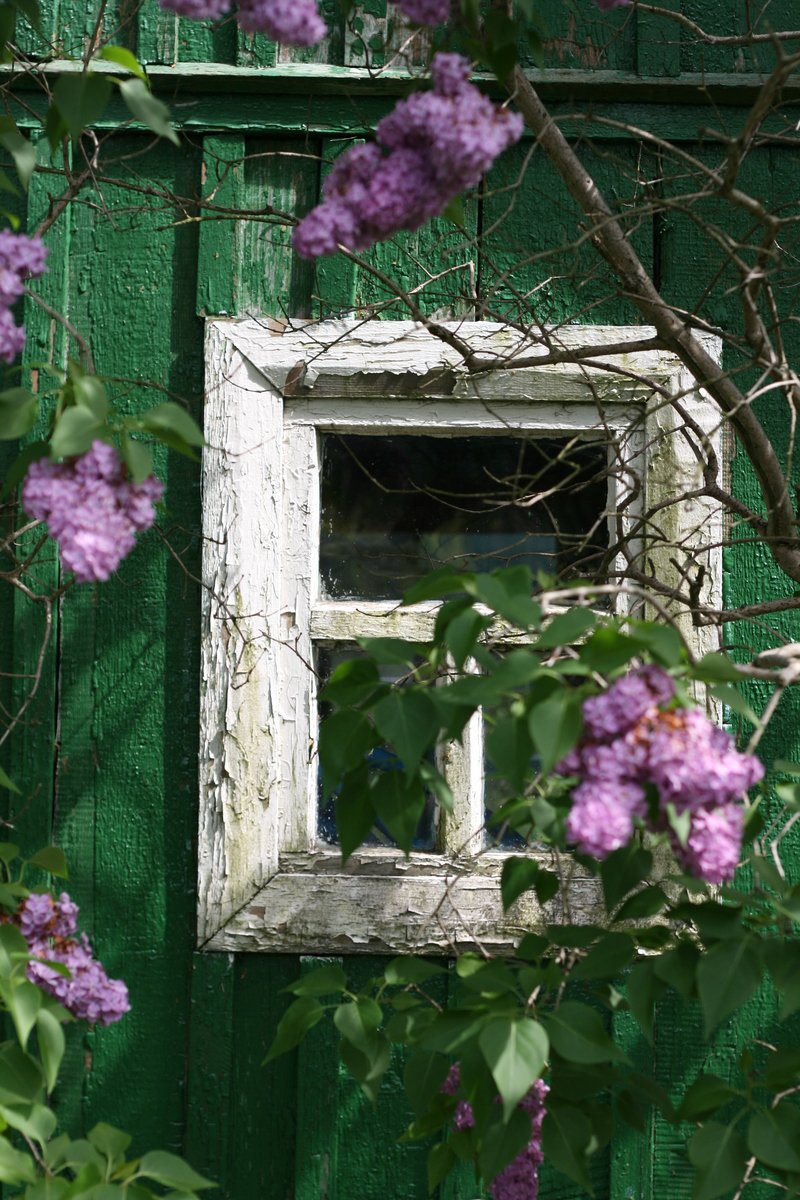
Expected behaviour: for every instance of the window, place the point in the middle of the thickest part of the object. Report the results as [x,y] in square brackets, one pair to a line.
[326,492]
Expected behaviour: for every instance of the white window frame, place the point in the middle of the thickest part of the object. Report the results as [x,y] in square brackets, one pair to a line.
[264,883]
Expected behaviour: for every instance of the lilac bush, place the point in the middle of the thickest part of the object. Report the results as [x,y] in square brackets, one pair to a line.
[431,147]
[92,509]
[49,927]
[292,22]
[21,258]
[519,1180]
[631,742]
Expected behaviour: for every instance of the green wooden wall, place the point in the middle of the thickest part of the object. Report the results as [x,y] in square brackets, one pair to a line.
[137,271]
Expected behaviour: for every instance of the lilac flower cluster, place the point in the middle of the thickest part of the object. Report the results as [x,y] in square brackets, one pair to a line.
[48,927]
[20,257]
[291,22]
[432,146]
[520,1179]
[425,12]
[606,5]
[91,508]
[630,742]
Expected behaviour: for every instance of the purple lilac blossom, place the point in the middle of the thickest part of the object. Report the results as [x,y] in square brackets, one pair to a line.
[626,701]
[629,741]
[291,22]
[425,12]
[432,146]
[47,926]
[601,817]
[712,850]
[520,1179]
[605,5]
[91,509]
[20,257]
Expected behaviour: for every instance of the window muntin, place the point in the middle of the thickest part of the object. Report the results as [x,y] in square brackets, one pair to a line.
[265,881]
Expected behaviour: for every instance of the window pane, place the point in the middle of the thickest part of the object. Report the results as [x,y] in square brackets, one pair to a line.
[394,508]
[328,658]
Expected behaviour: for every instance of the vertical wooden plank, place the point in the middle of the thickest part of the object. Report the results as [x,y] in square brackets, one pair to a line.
[211,1103]
[281,173]
[127,780]
[263,1140]
[254,49]
[658,42]
[535,266]
[578,36]
[219,253]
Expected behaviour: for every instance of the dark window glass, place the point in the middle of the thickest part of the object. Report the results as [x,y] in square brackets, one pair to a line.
[329,657]
[394,508]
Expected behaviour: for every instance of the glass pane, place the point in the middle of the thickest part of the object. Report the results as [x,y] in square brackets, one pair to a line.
[394,508]
[328,658]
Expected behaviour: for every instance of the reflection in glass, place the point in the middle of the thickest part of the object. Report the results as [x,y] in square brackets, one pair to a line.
[328,658]
[396,507]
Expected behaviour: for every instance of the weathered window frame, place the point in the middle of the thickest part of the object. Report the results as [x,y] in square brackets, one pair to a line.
[263,882]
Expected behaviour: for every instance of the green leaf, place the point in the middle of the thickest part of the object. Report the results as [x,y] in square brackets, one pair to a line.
[577,1034]
[55,127]
[123,58]
[783,1069]
[608,649]
[172,418]
[301,1015]
[90,393]
[518,875]
[18,411]
[393,651]
[716,668]
[112,1143]
[15,473]
[399,803]
[408,720]
[137,458]
[144,106]
[622,871]
[74,433]
[81,100]
[23,1001]
[705,1096]
[8,783]
[607,959]
[423,1076]
[51,859]
[21,150]
[21,1077]
[50,1037]
[566,628]
[515,1051]
[731,696]
[774,1138]
[438,584]
[15,1167]
[566,1137]
[783,961]
[441,1161]
[30,10]
[643,989]
[647,903]
[345,738]
[454,212]
[402,971]
[555,726]
[358,1021]
[352,682]
[462,633]
[510,748]
[320,982]
[727,975]
[720,1155]
[355,815]
[172,1172]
